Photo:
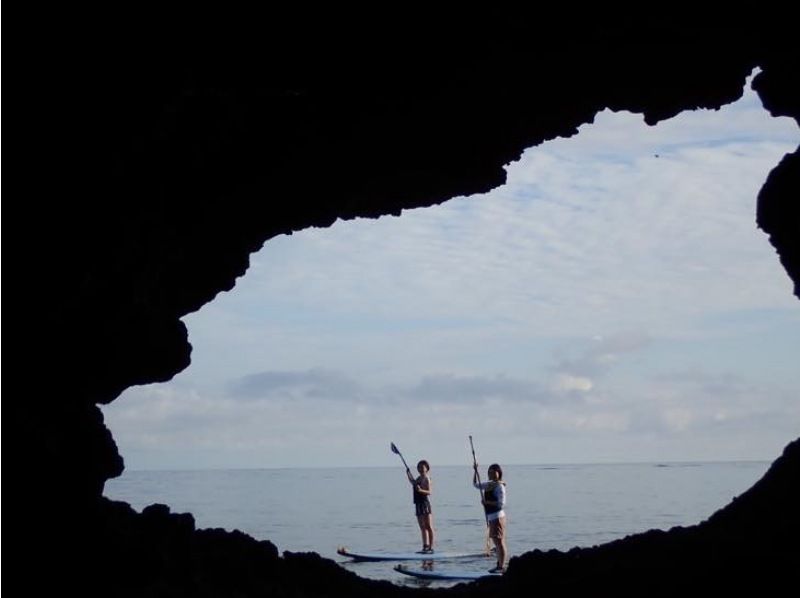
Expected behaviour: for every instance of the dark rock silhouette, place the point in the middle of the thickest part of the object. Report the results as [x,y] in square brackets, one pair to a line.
[157,161]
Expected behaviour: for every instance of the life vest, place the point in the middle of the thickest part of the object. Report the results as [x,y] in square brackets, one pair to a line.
[488,494]
[419,497]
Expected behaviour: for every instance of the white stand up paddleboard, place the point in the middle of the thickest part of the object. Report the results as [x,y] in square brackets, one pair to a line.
[408,556]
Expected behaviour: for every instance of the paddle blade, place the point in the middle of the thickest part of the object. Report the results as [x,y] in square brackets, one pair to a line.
[394,449]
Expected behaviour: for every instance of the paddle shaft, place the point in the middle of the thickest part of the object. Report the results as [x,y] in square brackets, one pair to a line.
[404,461]
[478,476]
[397,450]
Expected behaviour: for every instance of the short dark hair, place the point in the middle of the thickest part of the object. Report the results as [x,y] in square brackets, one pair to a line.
[498,469]
[425,463]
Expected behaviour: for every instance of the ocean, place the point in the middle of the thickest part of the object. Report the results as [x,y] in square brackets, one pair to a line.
[370,509]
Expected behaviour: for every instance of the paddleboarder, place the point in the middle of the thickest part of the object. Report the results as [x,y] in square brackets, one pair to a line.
[422,504]
[494,500]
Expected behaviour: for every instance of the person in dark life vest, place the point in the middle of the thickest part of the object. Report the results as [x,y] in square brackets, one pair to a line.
[494,500]
[422,504]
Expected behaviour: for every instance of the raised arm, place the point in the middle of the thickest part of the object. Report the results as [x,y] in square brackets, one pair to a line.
[475,481]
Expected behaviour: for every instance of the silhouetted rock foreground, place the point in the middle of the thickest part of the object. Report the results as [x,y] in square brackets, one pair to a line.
[156,161]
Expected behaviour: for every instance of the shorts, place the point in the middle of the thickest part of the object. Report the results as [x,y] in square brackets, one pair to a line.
[423,508]
[497,528]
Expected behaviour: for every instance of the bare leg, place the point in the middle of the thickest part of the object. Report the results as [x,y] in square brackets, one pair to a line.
[422,529]
[426,527]
[429,523]
[499,539]
[501,552]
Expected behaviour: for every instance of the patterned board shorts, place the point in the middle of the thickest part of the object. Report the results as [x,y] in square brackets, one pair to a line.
[423,508]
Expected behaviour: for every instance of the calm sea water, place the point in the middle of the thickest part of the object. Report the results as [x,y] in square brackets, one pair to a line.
[370,509]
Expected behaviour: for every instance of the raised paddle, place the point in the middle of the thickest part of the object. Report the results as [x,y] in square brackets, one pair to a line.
[396,451]
[477,475]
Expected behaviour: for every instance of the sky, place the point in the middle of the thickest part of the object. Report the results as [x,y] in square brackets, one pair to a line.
[613,302]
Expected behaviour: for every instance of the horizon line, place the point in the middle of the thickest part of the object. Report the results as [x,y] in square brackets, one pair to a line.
[662,462]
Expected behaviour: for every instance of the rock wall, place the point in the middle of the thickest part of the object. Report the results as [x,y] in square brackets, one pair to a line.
[156,160]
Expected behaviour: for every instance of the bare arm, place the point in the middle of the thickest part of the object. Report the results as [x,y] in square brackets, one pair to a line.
[475,482]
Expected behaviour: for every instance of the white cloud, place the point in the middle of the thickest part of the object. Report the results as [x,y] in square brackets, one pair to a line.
[565,382]
[678,419]
[560,316]
[313,383]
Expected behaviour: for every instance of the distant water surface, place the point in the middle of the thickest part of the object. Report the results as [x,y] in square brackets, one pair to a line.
[370,509]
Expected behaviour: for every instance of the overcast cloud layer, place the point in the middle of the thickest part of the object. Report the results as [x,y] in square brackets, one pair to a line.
[613,302]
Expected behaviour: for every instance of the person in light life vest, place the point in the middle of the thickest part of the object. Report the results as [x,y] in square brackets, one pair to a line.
[422,504]
[494,500]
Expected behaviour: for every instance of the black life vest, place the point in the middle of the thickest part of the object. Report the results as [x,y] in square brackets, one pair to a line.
[419,497]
